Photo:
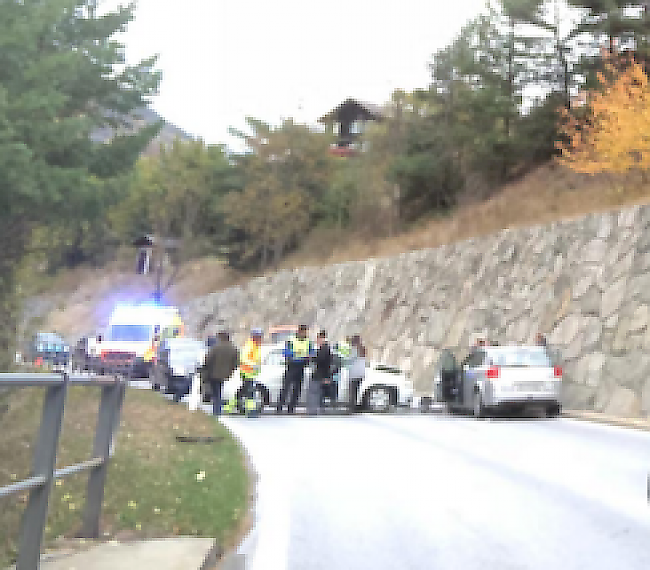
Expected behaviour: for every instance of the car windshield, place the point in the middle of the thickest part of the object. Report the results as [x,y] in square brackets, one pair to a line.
[274,358]
[283,336]
[189,348]
[129,333]
[519,356]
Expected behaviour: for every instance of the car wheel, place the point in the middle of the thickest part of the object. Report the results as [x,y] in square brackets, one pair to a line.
[257,396]
[478,407]
[378,399]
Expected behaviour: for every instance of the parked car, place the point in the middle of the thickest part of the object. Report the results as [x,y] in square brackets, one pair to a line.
[177,361]
[49,349]
[383,387]
[499,378]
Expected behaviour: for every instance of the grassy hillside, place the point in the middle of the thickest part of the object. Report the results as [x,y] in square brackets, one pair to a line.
[547,194]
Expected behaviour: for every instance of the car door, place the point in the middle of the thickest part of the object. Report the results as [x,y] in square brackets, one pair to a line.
[470,375]
[272,373]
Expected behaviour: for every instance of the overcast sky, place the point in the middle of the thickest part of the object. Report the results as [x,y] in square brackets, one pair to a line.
[225,59]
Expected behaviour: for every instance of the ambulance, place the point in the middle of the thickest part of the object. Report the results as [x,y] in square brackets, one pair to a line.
[129,344]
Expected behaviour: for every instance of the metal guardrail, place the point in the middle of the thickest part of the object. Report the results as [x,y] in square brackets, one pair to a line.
[43,471]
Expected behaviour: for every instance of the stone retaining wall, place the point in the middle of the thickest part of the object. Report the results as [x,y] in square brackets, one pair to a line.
[584,283]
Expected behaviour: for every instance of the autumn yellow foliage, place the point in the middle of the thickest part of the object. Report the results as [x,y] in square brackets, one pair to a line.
[614,135]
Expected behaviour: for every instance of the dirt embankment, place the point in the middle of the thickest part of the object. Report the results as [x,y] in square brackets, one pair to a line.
[79,302]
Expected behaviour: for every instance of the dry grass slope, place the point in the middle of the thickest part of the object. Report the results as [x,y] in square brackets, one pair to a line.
[549,193]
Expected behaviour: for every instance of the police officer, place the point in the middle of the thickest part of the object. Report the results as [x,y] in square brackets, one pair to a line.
[298,353]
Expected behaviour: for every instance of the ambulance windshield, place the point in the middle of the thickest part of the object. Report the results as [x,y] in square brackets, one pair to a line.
[130,333]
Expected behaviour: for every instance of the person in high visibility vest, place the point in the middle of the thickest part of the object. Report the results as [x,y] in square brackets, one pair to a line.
[344,348]
[250,367]
[298,352]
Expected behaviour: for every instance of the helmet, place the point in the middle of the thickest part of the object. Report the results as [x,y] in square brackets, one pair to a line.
[257,332]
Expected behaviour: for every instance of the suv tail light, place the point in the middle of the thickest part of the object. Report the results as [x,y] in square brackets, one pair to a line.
[557,371]
[492,372]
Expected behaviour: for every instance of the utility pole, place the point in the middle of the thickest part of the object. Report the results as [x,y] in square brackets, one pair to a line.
[159,271]
[160,247]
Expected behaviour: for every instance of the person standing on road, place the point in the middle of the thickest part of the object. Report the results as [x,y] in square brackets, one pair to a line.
[298,353]
[222,360]
[322,377]
[250,366]
[357,371]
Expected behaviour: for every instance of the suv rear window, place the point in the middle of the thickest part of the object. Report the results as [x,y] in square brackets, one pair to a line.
[520,357]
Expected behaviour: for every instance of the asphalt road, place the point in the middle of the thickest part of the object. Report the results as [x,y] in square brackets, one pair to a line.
[437,492]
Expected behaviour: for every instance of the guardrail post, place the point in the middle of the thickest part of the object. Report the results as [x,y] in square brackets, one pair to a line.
[35,515]
[107,422]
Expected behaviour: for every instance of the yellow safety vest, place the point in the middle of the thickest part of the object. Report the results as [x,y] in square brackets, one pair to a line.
[250,362]
[344,349]
[300,347]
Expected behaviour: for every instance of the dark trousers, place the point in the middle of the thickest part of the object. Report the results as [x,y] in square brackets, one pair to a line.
[329,390]
[217,387]
[354,393]
[315,396]
[247,388]
[291,388]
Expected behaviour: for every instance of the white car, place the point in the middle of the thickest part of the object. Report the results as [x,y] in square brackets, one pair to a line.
[383,387]
[500,378]
[178,360]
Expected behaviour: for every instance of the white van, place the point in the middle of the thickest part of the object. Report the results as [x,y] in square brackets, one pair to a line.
[132,336]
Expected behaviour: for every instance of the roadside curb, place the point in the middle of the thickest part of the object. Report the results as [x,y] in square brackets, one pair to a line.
[229,558]
[597,417]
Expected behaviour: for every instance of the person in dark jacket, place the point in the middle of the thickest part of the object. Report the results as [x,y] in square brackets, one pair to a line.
[322,373]
[222,360]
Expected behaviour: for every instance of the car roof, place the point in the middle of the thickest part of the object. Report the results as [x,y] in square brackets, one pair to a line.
[185,340]
[506,347]
[47,336]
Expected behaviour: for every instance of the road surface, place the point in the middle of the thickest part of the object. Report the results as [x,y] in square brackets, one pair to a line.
[435,492]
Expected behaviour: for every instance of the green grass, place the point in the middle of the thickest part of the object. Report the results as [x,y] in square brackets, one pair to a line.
[156,486]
